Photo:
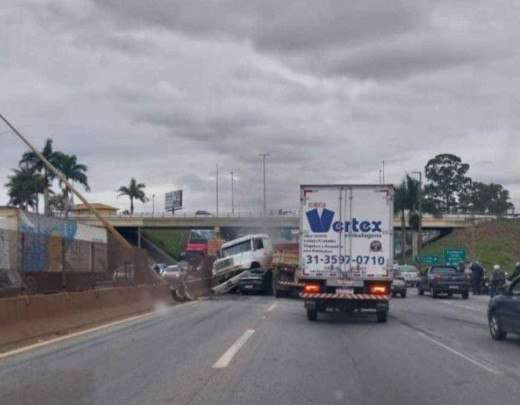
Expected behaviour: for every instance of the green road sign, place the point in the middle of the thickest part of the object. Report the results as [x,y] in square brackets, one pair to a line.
[427,260]
[453,257]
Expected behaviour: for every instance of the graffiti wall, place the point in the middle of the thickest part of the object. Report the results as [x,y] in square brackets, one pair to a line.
[51,244]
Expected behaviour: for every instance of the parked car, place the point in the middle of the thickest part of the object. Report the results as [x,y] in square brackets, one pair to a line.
[410,274]
[158,267]
[172,272]
[399,286]
[255,280]
[444,280]
[504,312]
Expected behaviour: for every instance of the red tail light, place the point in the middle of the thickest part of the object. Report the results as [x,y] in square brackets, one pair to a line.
[378,289]
[311,288]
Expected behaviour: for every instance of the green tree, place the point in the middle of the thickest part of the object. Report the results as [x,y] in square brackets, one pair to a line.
[74,172]
[32,162]
[447,181]
[482,198]
[406,201]
[23,188]
[134,191]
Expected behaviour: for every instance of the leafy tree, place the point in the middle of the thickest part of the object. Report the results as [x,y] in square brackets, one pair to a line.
[32,162]
[481,198]
[74,172]
[447,180]
[23,188]
[134,191]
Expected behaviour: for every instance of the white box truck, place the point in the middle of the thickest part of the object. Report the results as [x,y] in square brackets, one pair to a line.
[346,248]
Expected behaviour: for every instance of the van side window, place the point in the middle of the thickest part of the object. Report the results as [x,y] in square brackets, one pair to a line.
[259,244]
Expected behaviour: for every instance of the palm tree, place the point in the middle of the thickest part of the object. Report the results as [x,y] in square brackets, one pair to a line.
[23,188]
[134,191]
[406,200]
[73,171]
[32,162]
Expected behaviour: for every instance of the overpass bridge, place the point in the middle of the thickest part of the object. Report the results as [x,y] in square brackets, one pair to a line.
[146,221]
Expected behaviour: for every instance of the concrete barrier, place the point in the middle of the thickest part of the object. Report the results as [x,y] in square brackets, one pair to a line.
[24,318]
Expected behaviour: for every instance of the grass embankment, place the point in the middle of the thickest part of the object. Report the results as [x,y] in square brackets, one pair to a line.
[172,241]
[491,243]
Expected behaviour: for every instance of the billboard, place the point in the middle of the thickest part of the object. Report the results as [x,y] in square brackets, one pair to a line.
[173,201]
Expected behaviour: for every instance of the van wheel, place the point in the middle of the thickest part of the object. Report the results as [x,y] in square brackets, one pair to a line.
[312,314]
[465,295]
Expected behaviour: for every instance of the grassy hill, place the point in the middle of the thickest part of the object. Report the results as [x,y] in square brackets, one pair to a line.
[171,241]
[491,243]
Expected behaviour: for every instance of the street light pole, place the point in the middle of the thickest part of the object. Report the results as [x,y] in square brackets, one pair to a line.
[232,194]
[153,205]
[68,184]
[264,156]
[216,189]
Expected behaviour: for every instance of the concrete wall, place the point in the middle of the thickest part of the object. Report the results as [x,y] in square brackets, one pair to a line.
[27,317]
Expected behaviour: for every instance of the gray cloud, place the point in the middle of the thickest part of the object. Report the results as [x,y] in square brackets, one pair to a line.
[164,91]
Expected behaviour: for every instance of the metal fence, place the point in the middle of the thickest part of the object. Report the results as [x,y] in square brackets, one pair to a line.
[46,255]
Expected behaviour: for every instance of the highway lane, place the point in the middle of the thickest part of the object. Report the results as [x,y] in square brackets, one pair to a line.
[258,350]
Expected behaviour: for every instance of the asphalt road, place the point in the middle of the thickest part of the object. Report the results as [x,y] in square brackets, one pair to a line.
[258,350]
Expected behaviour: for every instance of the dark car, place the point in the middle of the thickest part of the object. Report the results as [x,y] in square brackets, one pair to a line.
[257,280]
[504,312]
[444,280]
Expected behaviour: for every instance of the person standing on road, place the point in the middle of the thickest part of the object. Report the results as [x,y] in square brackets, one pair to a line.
[516,273]
[498,280]
[477,272]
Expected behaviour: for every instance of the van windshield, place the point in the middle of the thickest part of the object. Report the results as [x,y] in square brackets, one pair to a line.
[238,248]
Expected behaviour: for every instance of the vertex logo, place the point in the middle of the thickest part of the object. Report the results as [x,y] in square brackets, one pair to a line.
[322,223]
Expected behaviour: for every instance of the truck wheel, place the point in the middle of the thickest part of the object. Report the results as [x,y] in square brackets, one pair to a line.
[312,314]
[394,294]
[381,316]
[403,294]
[450,294]
[465,295]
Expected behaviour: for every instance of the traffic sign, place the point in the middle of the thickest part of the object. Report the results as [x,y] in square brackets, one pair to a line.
[427,260]
[453,257]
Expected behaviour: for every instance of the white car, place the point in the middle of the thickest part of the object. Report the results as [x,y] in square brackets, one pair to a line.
[238,255]
[409,273]
[172,272]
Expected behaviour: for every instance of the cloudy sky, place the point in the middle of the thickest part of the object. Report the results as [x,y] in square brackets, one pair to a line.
[163,91]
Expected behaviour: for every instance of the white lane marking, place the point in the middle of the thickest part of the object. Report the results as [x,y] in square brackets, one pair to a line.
[462,355]
[72,335]
[226,358]
[272,307]
[83,332]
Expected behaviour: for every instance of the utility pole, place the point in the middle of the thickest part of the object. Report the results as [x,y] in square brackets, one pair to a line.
[60,175]
[216,193]
[419,228]
[383,171]
[264,156]
[153,205]
[232,194]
